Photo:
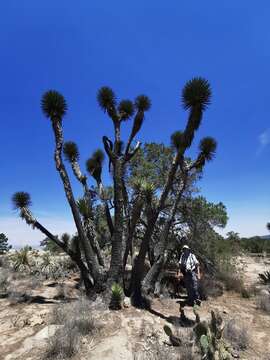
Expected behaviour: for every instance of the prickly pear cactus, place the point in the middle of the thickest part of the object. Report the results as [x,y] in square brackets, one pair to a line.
[175,341]
[204,344]
[209,337]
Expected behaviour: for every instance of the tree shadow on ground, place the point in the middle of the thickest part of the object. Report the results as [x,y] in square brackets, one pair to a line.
[178,321]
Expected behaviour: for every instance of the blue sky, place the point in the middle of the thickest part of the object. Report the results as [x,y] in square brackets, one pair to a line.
[150,47]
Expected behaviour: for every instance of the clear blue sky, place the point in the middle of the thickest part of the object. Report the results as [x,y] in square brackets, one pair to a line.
[150,47]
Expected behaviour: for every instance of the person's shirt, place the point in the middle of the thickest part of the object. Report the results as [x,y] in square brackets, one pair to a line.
[188,262]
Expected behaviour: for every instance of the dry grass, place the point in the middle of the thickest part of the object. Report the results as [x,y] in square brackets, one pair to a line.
[64,344]
[232,281]
[4,280]
[237,335]
[62,293]
[209,287]
[263,303]
[75,320]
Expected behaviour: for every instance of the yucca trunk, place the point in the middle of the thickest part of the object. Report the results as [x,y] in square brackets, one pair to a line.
[116,266]
[91,234]
[137,271]
[135,216]
[86,246]
[152,275]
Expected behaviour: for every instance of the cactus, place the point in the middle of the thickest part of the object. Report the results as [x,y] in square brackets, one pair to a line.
[116,297]
[209,336]
[204,343]
[175,341]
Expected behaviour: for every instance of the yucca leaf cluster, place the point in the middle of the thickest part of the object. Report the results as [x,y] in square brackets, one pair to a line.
[94,165]
[53,105]
[71,151]
[116,297]
[21,199]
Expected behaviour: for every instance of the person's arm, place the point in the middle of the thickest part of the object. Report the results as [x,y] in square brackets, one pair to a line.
[198,270]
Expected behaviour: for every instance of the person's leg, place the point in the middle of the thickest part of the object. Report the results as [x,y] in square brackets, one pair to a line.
[195,287]
[189,288]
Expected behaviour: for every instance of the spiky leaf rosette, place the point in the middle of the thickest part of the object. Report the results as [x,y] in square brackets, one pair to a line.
[148,190]
[106,99]
[21,200]
[116,297]
[71,151]
[142,103]
[65,238]
[208,147]
[84,208]
[94,165]
[125,109]
[177,139]
[196,93]
[98,155]
[53,105]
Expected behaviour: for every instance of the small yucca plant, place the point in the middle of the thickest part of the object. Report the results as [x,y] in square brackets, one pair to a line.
[21,259]
[116,297]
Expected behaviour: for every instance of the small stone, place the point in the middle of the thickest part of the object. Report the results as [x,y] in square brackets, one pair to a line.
[126,302]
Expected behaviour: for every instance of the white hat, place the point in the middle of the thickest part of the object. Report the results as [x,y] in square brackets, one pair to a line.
[185,247]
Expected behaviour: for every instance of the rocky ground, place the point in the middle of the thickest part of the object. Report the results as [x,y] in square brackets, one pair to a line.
[27,327]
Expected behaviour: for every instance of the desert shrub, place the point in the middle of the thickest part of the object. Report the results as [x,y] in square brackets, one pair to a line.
[116,297]
[84,322]
[231,277]
[77,313]
[263,302]
[57,267]
[265,277]
[18,297]
[64,344]
[61,292]
[236,334]
[246,293]
[21,259]
[210,287]
[4,263]
[74,320]
[67,265]
[4,282]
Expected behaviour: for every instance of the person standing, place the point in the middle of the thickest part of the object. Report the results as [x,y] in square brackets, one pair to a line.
[189,267]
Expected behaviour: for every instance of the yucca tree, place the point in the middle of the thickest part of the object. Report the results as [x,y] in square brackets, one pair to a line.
[137,208]
[22,202]
[118,113]
[196,97]
[85,206]
[207,149]
[54,107]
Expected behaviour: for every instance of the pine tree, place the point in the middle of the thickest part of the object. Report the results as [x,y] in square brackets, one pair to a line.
[4,247]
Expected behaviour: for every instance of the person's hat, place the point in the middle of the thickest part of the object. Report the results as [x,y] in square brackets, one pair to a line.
[185,247]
